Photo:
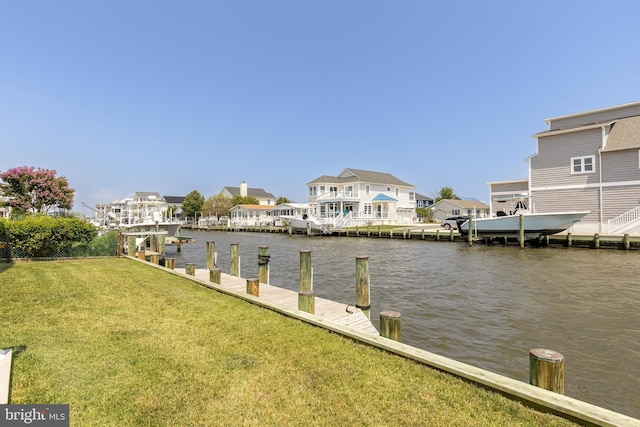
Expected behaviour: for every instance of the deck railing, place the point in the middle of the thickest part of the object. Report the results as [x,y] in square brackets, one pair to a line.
[619,222]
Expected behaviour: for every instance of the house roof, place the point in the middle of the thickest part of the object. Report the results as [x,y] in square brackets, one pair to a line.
[463,204]
[254,207]
[624,134]
[384,198]
[174,199]
[421,197]
[359,175]
[146,195]
[258,193]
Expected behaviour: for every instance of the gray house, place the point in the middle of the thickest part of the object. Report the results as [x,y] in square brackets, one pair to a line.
[587,161]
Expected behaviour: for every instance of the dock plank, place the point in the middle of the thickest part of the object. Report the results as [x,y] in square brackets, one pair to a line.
[330,310]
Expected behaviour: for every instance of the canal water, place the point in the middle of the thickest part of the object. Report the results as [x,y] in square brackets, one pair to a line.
[486,305]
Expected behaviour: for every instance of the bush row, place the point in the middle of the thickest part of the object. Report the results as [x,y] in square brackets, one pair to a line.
[43,236]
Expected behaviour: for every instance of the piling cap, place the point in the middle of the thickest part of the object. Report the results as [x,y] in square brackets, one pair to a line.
[549,355]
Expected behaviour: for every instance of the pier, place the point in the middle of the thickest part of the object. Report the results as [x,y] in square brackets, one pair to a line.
[342,314]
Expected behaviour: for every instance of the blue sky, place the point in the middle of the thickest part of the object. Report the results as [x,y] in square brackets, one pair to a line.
[174,96]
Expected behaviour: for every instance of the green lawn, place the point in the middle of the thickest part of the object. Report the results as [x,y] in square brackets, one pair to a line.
[125,344]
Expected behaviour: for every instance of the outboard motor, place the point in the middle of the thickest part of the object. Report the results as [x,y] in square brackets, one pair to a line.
[459,223]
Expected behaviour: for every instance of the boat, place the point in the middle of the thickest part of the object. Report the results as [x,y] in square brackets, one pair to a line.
[306,224]
[506,223]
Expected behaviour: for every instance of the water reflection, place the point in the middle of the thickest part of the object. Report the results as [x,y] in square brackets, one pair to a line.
[486,306]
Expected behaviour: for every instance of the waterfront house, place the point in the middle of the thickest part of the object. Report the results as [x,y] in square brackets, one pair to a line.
[587,161]
[423,201]
[251,215]
[263,197]
[5,209]
[448,207]
[174,203]
[359,197]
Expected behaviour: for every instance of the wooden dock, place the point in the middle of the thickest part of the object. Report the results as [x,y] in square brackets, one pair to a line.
[340,313]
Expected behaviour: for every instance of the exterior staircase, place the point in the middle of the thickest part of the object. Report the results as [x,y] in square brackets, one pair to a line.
[626,222]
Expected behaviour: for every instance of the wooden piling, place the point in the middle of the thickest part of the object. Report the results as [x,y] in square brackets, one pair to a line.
[215,275]
[141,255]
[521,234]
[307,301]
[131,245]
[390,325]
[546,369]
[306,272]
[155,259]
[190,268]
[363,285]
[211,255]
[596,241]
[569,240]
[470,235]
[263,264]
[235,260]
[168,262]
[253,287]
[626,242]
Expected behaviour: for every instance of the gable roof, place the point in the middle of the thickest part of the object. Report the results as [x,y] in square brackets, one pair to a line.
[463,204]
[421,197]
[624,134]
[258,193]
[359,175]
[253,207]
[384,198]
[174,199]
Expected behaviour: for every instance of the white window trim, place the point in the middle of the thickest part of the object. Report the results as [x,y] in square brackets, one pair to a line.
[582,159]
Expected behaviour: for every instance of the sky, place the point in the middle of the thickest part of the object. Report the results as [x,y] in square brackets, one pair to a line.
[175,96]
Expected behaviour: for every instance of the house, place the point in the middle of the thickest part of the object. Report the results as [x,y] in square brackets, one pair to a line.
[587,161]
[359,197]
[448,207]
[263,197]
[250,215]
[174,203]
[423,201]
[5,208]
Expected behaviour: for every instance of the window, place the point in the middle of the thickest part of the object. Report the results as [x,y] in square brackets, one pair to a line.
[367,188]
[412,196]
[397,191]
[312,191]
[367,208]
[585,164]
[455,212]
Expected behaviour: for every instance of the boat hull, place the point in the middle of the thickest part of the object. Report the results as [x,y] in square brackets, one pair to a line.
[534,224]
[305,225]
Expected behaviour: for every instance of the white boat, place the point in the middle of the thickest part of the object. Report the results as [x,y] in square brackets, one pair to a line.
[306,224]
[507,223]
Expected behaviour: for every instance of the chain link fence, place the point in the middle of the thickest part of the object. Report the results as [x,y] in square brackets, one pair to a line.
[102,246]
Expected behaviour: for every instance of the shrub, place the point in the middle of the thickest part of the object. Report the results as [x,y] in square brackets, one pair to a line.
[41,236]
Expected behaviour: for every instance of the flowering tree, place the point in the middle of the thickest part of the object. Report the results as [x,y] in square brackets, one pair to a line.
[36,190]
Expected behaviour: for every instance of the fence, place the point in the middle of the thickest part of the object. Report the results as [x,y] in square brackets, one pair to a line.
[105,245]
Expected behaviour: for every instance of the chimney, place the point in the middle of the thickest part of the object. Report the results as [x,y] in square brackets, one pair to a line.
[243,189]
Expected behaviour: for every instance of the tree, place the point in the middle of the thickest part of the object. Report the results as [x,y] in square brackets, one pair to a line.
[192,204]
[446,193]
[36,190]
[244,200]
[218,205]
[282,200]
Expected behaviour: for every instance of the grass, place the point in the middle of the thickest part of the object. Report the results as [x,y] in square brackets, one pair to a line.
[128,345]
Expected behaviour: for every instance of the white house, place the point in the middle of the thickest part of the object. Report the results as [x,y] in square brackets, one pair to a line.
[251,215]
[359,197]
